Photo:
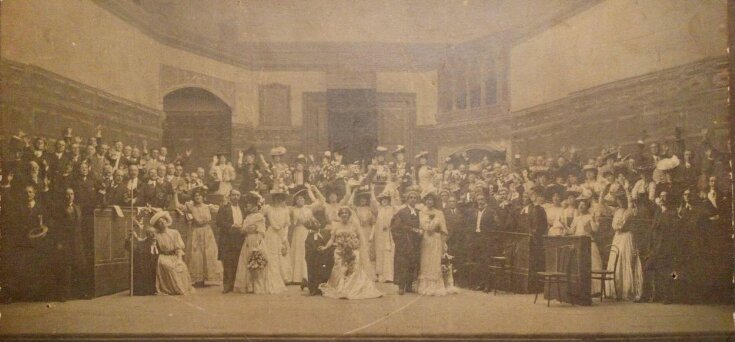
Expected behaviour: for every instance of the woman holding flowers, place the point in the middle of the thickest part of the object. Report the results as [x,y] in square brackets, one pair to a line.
[348,280]
[433,246]
[251,268]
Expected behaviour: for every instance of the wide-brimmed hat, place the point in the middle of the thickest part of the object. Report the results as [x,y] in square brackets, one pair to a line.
[429,194]
[383,195]
[381,149]
[413,190]
[253,197]
[399,149]
[278,151]
[589,167]
[301,158]
[422,154]
[279,189]
[668,163]
[159,215]
[327,154]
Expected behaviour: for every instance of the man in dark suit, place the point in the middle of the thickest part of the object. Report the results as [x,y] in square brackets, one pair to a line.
[319,261]
[57,161]
[406,231]
[231,238]
[480,222]
[66,232]
[156,193]
[658,261]
[531,219]
[248,170]
[456,222]
[86,197]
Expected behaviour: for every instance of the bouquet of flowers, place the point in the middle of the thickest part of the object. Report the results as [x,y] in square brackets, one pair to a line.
[257,260]
[347,243]
[447,263]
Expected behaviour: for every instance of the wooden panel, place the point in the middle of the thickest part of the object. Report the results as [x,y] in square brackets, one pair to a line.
[580,278]
[520,259]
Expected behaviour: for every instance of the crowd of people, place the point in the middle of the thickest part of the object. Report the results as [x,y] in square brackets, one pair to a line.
[337,229]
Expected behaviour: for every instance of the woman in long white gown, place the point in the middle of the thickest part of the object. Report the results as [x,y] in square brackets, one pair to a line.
[301,213]
[584,224]
[278,219]
[365,214]
[629,273]
[384,245]
[247,280]
[348,279]
[433,246]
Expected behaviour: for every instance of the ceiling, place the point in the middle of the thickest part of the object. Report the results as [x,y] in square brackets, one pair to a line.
[262,31]
[386,21]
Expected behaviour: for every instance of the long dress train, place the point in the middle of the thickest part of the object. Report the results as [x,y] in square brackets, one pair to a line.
[384,245]
[247,280]
[349,281]
[278,271]
[629,273]
[431,280]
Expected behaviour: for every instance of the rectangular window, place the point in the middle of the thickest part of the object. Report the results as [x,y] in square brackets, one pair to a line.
[275,105]
[491,82]
[474,83]
[460,87]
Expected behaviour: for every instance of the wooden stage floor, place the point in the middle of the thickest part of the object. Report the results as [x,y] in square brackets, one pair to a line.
[210,313]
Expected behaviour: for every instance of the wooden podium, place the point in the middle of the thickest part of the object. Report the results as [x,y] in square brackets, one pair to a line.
[111,259]
[521,260]
[579,289]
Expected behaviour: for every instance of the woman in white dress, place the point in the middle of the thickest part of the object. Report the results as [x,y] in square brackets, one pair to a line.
[330,204]
[224,173]
[278,219]
[172,275]
[202,246]
[246,279]
[384,245]
[424,173]
[629,273]
[433,246]
[584,224]
[365,214]
[554,213]
[301,213]
[349,279]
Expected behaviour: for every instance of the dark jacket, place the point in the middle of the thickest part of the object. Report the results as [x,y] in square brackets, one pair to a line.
[230,240]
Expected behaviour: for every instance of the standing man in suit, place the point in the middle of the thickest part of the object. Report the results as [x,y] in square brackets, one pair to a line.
[231,238]
[66,232]
[248,170]
[406,231]
[456,222]
[480,222]
[658,261]
[532,220]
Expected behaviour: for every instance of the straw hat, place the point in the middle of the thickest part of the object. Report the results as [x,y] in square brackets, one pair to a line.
[159,215]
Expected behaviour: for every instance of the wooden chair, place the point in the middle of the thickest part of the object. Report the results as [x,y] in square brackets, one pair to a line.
[564,257]
[604,275]
[501,266]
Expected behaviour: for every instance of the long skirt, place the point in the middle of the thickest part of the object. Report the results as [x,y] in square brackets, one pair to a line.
[596,261]
[431,281]
[629,272]
[247,280]
[366,247]
[297,254]
[202,255]
[172,276]
[384,253]
[278,265]
[352,285]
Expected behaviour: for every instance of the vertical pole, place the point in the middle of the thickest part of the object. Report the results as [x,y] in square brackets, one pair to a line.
[132,240]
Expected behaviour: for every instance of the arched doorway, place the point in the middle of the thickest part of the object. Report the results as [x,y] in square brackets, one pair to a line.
[198,120]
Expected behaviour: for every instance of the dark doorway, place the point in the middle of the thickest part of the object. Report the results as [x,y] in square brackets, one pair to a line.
[197,120]
[353,122]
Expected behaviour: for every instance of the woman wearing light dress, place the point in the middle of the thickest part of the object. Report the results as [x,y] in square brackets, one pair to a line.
[301,214]
[247,280]
[348,279]
[201,247]
[629,273]
[433,246]
[384,245]
[554,213]
[585,224]
[278,219]
[172,275]
[365,217]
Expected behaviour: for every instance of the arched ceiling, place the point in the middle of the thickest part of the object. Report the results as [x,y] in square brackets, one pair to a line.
[240,30]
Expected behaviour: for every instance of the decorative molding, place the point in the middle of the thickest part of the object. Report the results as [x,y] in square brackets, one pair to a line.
[173,78]
[43,103]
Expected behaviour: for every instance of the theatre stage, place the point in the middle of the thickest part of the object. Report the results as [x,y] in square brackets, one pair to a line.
[208,312]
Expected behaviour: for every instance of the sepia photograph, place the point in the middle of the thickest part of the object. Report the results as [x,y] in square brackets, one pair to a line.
[367,170]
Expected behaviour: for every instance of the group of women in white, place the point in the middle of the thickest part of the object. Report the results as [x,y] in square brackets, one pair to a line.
[279,232]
